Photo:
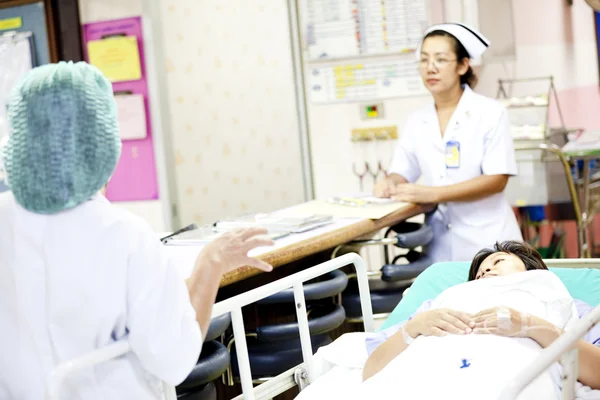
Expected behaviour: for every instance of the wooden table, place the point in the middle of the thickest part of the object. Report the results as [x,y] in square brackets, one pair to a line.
[329,240]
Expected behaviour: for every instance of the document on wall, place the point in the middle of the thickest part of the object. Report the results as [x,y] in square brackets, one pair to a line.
[15,60]
[365,81]
[331,28]
[351,28]
[117,57]
[132,116]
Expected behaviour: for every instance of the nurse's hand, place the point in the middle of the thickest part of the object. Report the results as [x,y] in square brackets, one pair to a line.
[413,193]
[440,322]
[230,250]
[384,188]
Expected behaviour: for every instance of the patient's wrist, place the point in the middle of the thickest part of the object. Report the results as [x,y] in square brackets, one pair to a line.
[411,329]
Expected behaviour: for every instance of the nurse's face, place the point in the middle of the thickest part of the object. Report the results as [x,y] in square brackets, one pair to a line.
[438,66]
[500,264]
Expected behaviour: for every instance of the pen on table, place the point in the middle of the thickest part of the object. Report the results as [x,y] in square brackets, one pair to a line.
[187,228]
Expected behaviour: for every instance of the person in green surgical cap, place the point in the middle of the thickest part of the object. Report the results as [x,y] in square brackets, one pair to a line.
[78,273]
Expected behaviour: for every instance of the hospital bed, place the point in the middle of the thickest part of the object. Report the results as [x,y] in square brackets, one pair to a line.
[434,280]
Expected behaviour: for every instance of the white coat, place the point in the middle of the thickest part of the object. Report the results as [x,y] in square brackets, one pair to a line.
[79,280]
[481,127]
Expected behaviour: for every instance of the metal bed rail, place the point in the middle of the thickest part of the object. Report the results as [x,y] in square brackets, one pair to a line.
[300,375]
[562,349]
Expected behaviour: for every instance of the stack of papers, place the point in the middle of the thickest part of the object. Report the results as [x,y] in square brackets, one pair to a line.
[276,222]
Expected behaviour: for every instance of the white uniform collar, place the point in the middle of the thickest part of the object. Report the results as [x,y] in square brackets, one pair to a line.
[463,108]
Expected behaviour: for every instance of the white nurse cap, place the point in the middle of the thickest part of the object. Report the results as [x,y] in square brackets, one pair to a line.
[475,43]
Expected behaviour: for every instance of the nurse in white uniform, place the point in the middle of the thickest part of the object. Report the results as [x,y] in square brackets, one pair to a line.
[78,273]
[460,146]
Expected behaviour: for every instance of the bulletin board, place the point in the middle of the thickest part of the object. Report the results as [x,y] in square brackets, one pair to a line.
[117,48]
[351,28]
[362,50]
[21,28]
[365,81]
[33,19]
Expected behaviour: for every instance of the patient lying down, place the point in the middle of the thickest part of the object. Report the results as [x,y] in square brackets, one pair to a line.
[476,336]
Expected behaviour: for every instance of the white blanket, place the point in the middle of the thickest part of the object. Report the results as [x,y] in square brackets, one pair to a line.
[461,367]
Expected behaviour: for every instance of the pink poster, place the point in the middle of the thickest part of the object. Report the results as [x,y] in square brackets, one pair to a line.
[135,177]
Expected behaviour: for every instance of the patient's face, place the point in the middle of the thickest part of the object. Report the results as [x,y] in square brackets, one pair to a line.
[500,264]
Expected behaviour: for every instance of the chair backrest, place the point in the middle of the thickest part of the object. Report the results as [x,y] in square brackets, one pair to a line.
[582,283]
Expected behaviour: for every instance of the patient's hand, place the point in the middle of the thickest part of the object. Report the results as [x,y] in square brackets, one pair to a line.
[440,322]
[502,321]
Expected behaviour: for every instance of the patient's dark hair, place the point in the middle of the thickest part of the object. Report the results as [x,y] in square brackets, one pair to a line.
[527,253]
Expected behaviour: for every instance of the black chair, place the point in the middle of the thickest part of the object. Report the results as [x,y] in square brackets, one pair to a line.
[213,362]
[274,349]
[388,285]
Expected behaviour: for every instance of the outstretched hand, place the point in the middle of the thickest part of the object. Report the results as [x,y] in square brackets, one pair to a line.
[230,250]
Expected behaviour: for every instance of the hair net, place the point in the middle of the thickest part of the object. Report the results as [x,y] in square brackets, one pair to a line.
[64,142]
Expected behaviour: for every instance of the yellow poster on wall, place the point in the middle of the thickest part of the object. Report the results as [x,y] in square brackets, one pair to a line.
[118,58]
[11,23]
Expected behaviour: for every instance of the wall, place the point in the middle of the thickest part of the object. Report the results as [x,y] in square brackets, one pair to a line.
[554,39]
[232,105]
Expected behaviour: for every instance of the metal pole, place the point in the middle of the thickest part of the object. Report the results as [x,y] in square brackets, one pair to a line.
[302,113]
[585,205]
[305,342]
[364,294]
[241,347]
[154,50]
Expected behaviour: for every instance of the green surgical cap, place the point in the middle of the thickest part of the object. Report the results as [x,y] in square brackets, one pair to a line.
[64,142]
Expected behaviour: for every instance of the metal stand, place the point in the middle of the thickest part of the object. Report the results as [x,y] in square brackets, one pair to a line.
[540,181]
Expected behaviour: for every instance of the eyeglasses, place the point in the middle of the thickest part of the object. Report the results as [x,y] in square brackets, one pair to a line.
[438,63]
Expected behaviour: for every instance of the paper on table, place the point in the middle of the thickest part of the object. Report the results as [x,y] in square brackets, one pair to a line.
[132,116]
[320,207]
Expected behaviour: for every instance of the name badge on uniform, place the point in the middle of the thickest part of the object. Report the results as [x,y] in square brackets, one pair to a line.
[452,154]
